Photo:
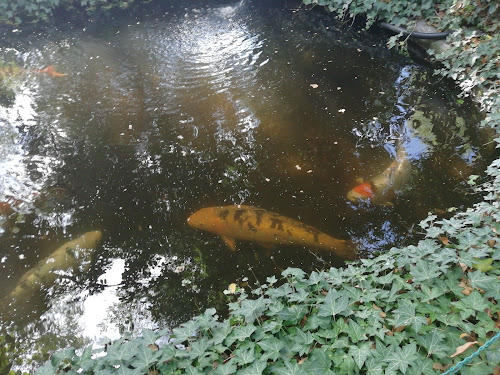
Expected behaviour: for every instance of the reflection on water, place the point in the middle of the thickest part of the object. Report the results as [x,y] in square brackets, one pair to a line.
[182,108]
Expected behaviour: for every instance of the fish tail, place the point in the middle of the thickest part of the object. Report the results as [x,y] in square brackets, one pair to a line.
[346,250]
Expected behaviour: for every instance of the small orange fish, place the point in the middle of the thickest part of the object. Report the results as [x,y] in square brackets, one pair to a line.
[51,71]
[10,70]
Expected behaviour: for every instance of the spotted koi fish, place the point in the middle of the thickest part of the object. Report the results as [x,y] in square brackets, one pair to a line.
[267,228]
[383,187]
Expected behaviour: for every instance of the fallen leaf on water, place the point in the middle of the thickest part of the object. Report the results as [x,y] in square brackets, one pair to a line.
[232,288]
[314,85]
[463,348]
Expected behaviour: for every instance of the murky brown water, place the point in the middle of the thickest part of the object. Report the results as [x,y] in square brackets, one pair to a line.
[181,108]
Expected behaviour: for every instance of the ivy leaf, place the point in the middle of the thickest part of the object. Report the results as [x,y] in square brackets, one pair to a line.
[422,366]
[119,351]
[355,331]
[243,332]
[145,357]
[300,296]
[474,301]
[251,309]
[374,367]
[149,336]
[125,370]
[271,348]
[46,369]
[256,368]
[198,348]
[245,355]
[476,369]
[333,305]
[433,342]
[60,356]
[293,314]
[405,316]
[289,369]
[282,291]
[493,291]
[190,370]
[478,279]
[315,278]
[294,272]
[225,369]
[184,332]
[360,353]
[401,358]
[221,332]
[318,362]
[425,271]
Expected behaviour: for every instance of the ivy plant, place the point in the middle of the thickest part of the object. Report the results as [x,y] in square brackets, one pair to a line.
[416,310]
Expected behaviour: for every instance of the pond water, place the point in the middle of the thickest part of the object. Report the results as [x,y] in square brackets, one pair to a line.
[180,108]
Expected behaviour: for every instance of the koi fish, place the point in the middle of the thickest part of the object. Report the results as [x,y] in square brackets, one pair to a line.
[383,187]
[266,228]
[43,274]
[10,70]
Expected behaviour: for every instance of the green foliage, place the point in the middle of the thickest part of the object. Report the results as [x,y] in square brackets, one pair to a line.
[405,312]
[16,11]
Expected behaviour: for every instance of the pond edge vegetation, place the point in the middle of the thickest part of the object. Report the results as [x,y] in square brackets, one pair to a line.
[414,310]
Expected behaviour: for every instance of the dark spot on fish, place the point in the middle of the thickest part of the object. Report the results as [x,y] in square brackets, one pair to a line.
[251,227]
[289,232]
[259,215]
[238,214]
[223,214]
[277,224]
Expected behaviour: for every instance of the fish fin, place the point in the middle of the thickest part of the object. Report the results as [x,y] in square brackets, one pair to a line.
[230,242]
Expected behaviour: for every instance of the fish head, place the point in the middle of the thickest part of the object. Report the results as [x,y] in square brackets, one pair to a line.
[92,239]
[361,192]
[206,219]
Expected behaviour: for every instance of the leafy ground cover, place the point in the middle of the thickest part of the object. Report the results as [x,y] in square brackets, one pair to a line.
[415,310]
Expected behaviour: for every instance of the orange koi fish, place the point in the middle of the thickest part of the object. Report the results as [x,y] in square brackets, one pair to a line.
[267,228]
